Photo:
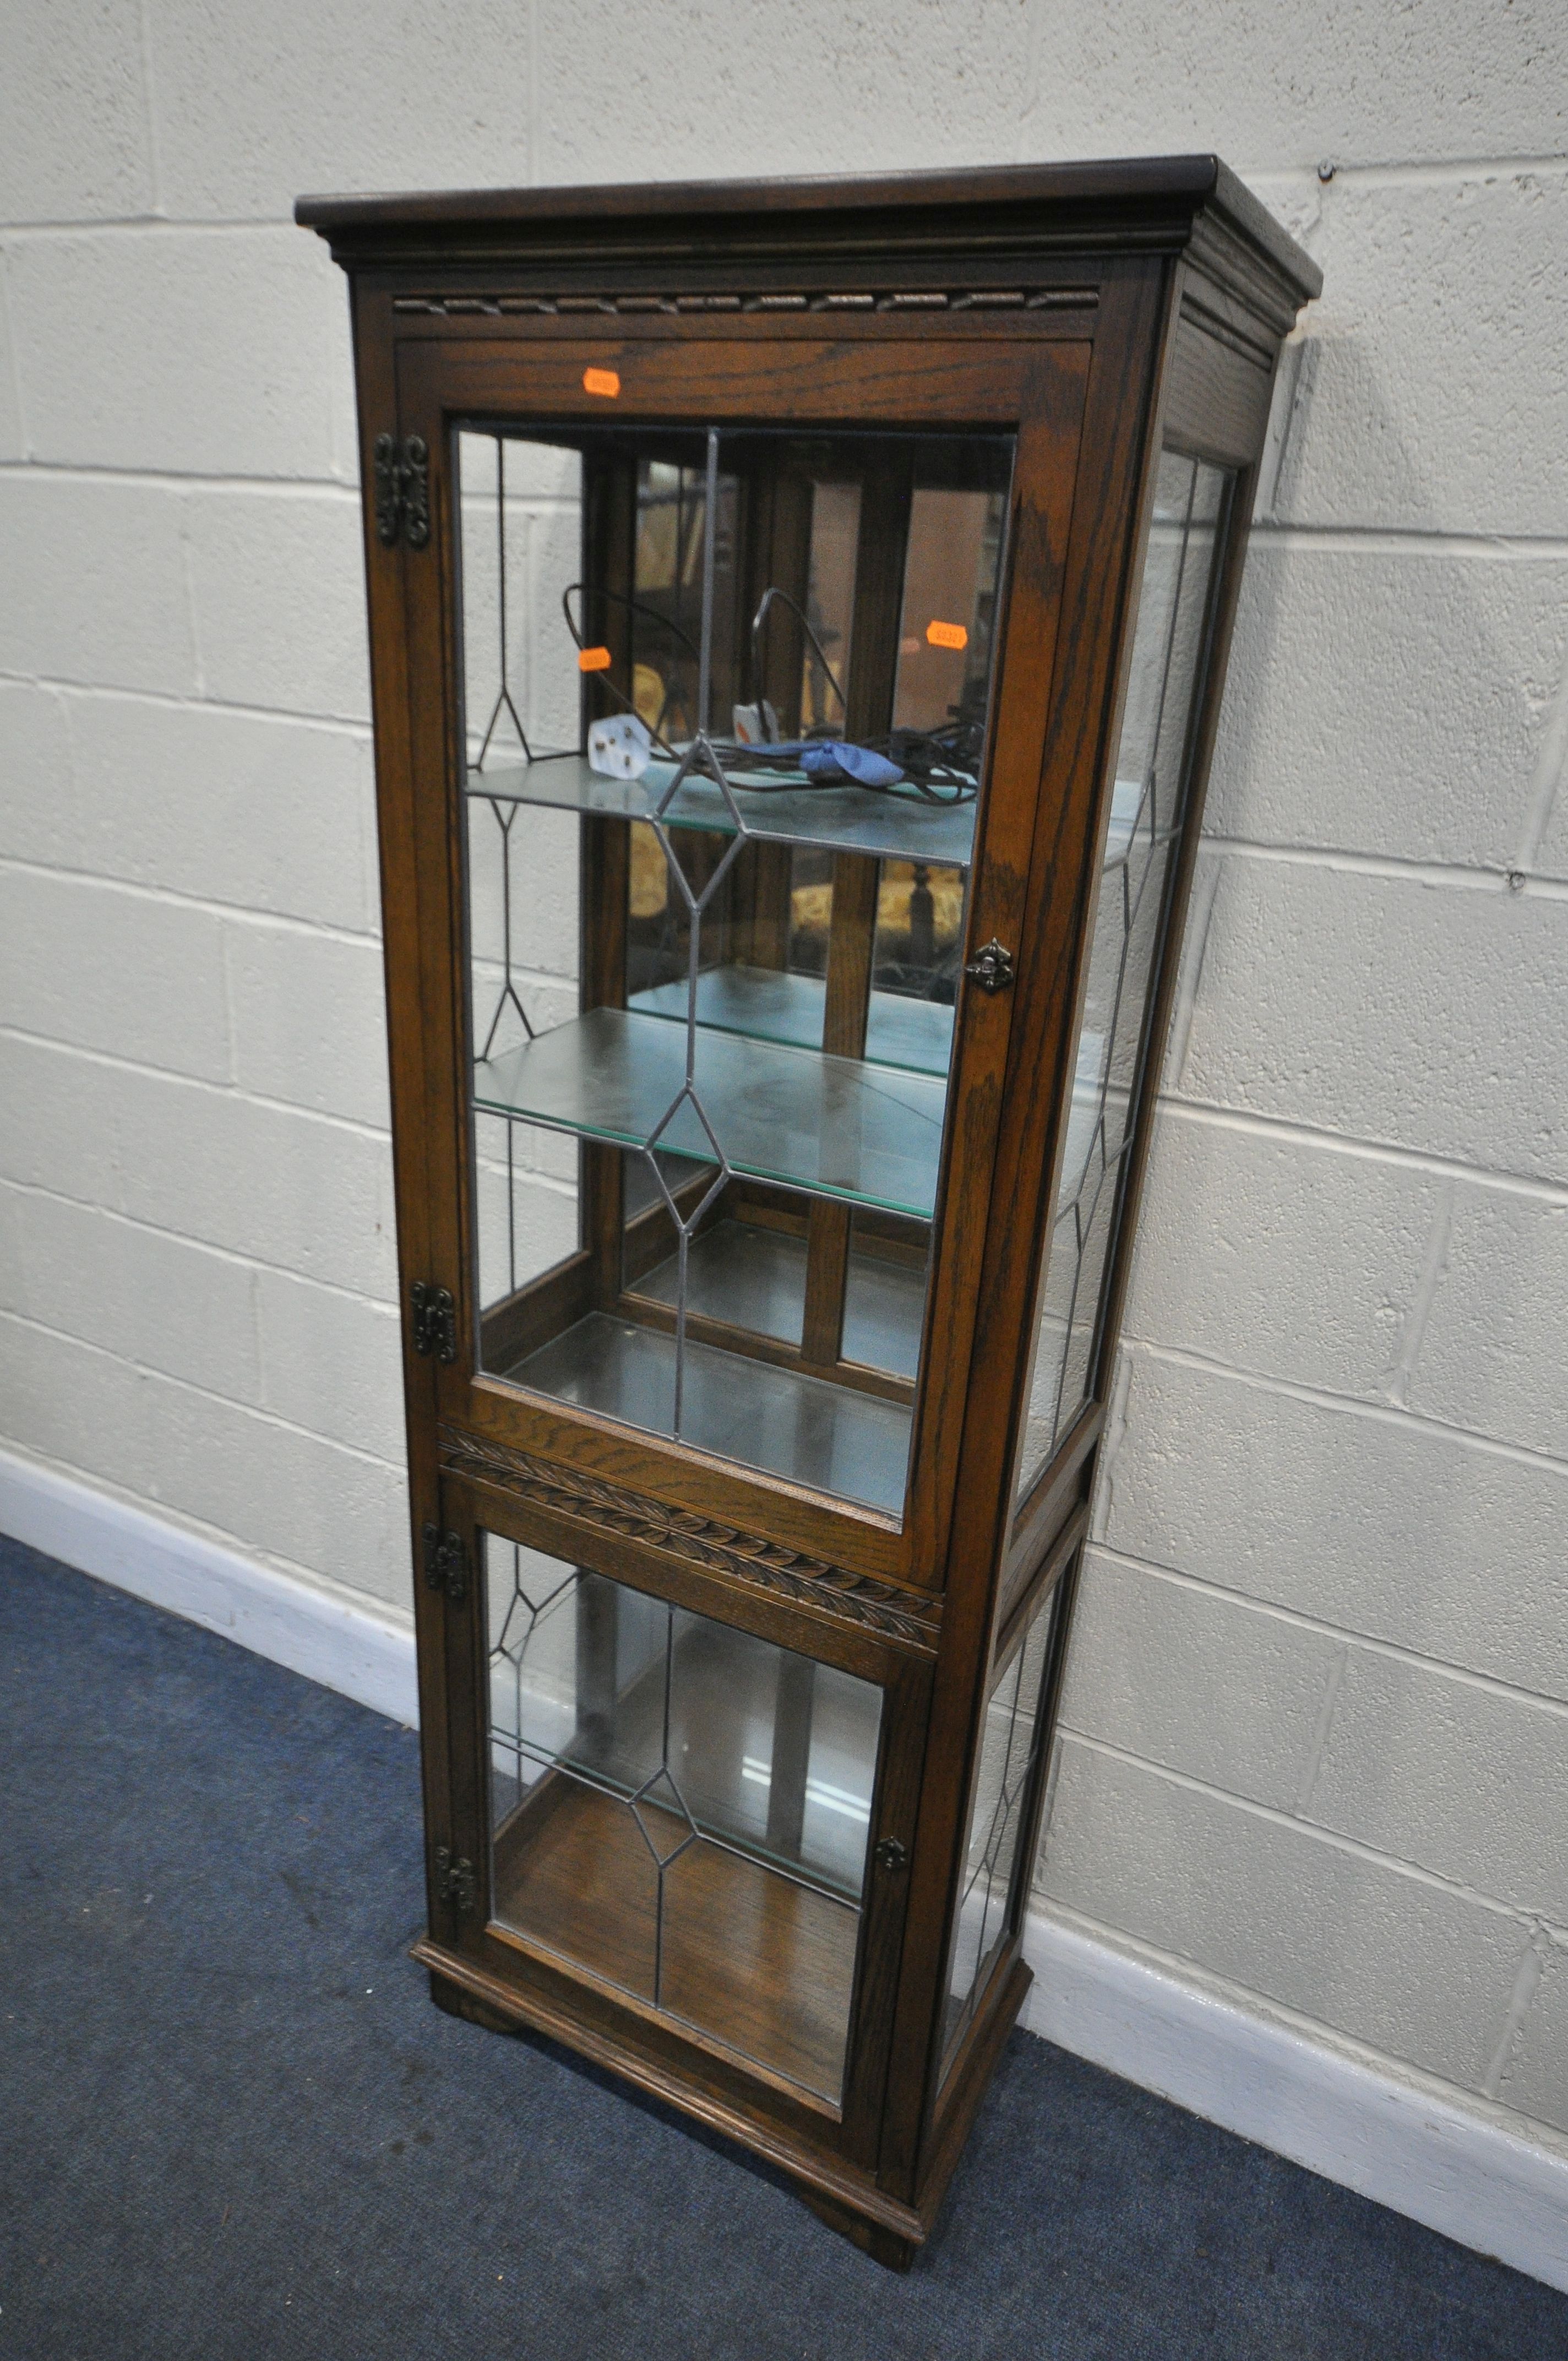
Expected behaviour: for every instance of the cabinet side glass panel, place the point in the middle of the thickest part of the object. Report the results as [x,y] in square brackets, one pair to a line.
[1148,810]
[725,698]
[680,1809]
[991,1866]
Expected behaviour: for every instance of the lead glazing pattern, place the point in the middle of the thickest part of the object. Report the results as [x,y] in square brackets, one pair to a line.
[505,817]
[996,1816]
[700,755]
[532,1586]
[680,1807]
[635,1255]
[556,1666]
[700,758]
[1148,806]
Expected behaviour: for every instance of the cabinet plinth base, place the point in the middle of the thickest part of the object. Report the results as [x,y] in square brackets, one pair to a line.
[886,2247]
[879,2225]
[458,2003]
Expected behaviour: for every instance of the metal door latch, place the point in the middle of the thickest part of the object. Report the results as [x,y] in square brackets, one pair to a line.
[445,1567]
[991,966]
[402,489]
[433,1319]
[455,1880]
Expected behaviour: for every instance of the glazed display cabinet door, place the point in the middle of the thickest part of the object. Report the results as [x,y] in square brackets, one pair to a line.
[681,1814]
[723,775]
[679,1810]
[714,959]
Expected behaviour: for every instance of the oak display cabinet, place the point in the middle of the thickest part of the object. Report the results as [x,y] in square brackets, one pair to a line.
[798,612]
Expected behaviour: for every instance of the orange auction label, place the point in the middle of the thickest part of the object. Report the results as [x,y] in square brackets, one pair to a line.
[593,659]
[946,635]
[605,381]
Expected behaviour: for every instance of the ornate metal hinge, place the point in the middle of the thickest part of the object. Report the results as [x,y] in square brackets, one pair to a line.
[455,1880]
[402,489]
[991,966]
[446,1565]
[433,1317]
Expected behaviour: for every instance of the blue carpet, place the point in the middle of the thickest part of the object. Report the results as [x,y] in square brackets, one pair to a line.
[233,2124]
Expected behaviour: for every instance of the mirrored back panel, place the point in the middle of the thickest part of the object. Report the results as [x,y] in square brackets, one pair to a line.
[725,701]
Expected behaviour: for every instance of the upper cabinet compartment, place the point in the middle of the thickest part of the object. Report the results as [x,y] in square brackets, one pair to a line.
[726,700]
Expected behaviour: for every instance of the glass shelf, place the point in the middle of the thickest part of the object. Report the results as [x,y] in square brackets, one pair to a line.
[831,1126]
[894,826]
[803,1428]
[769,1005]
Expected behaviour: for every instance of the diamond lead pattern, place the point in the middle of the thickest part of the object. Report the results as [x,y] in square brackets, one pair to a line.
[699,758]
[1148,804]
[1007,1766]
[649,1807]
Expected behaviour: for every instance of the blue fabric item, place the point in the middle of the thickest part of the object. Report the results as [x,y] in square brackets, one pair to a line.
[821,757]
[233,2128]
[825,754]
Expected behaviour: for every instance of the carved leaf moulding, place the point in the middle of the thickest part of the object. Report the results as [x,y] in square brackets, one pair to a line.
[961,299]
[790,1574]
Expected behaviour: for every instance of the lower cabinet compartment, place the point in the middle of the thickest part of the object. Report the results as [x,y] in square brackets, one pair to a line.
[681,1809]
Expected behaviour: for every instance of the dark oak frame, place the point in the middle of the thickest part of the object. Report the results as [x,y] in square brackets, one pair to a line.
[1099,311]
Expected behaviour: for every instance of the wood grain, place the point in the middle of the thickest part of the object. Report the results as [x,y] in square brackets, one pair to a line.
[752,1557]
[760,1965]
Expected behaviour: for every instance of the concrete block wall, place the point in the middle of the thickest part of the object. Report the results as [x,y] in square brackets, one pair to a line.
[1316,1742]
[1317,1720]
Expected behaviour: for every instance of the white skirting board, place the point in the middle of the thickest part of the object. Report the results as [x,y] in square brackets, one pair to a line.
[363,1651]
[1422,2153]
[1412,2148]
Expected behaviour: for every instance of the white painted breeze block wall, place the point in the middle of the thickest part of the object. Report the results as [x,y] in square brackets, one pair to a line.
[1317,1722]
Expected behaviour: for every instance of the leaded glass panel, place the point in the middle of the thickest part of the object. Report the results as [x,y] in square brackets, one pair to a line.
[996,1820]
[680,1809]
[1147,808]
[726,700]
